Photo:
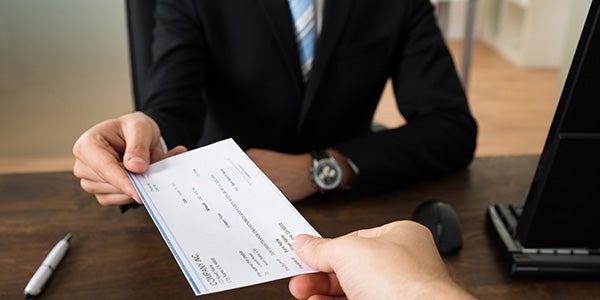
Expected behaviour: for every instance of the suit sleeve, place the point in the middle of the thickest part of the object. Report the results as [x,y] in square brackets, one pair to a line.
[440,134]
[175,84]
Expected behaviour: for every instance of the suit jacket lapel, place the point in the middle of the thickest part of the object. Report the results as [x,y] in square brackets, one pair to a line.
[335,15]
[279,18]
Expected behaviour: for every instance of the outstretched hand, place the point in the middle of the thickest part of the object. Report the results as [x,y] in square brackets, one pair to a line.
[105,151]
[398,260]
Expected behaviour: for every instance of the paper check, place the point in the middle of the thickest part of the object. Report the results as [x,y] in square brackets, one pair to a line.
[225,222]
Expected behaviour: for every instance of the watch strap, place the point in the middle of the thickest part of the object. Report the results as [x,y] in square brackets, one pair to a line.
[319,154]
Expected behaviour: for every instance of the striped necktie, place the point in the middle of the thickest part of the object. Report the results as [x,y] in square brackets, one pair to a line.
[303,13]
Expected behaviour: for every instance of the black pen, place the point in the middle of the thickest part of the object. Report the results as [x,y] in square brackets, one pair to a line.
[43,273]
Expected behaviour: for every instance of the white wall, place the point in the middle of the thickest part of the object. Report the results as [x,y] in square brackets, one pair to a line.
[457,18]
[577,13]
[64,66]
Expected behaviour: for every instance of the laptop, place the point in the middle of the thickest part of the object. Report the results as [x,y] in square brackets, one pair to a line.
[557,231]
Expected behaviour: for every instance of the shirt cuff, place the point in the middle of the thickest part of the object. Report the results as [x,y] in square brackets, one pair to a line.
[163,145]
[353,166]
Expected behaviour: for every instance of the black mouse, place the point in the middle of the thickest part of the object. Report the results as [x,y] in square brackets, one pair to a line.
[442,221]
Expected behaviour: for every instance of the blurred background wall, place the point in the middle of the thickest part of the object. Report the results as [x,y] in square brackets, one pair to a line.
[63,67]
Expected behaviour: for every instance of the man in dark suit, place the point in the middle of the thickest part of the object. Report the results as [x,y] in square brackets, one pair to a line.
[232,69]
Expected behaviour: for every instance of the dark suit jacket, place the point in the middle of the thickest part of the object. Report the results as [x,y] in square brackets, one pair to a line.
[230,68]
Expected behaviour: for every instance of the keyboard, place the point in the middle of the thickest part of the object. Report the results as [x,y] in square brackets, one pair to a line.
[510,215]
[502,220]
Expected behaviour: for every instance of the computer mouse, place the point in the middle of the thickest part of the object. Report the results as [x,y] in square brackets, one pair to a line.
[442,221]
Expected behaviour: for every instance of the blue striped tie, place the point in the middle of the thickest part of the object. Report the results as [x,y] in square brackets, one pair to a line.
[303,13]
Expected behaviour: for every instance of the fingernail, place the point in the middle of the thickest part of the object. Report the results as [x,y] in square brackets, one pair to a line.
[136,198]
[134,195]
[300,241]
[136,159]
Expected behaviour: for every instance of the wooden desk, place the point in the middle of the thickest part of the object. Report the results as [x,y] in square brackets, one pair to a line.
[116,256]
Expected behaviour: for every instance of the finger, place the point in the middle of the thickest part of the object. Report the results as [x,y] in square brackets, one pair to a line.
[389,228]
[364,233]
[95,187]
[84,172]
[175,151]
[322,297]
[94,184]
[158,154]
[314,251]
[113,199]
[81,170]
[307,285]
[141,135]
[372,232]
[95,153]
[115,175]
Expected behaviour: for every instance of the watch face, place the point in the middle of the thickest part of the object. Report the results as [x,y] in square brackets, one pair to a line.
[327,174]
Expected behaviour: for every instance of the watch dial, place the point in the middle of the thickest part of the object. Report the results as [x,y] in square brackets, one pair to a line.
[327,174]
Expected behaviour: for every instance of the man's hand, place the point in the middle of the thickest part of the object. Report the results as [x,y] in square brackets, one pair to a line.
[289,172]
[104,151]
[395,261]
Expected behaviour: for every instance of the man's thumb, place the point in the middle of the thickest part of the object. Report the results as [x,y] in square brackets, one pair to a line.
[314,251]
[136,158]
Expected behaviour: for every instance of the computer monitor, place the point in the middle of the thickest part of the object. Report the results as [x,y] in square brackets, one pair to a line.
[563,204]
[557,231]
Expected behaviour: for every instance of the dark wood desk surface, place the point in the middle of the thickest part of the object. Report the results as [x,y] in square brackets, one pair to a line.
[116,256]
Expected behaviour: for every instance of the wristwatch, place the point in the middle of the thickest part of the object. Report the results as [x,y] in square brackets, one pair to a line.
[326,172]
